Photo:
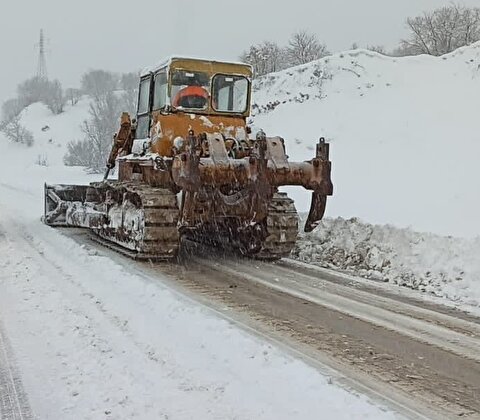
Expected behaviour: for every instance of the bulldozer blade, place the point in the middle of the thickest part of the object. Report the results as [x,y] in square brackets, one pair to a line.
[65,205]
[317,210]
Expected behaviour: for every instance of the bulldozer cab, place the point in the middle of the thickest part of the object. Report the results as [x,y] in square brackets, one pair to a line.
[194,87]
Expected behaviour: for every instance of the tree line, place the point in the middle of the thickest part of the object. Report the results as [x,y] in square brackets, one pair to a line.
[268,57]
[436,32]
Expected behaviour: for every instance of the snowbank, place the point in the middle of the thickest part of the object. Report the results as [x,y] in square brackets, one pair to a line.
[404,134]
[443,266]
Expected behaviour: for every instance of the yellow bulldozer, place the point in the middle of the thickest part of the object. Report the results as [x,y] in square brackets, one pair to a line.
[189,169]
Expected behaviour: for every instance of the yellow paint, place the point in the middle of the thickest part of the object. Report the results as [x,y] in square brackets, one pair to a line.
[165,128]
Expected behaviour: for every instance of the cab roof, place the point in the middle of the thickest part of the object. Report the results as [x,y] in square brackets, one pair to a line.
[200,64]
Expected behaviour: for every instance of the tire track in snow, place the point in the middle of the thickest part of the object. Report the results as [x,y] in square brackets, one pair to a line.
[13,399]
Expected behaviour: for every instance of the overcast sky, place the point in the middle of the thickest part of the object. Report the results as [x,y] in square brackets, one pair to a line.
[125,36]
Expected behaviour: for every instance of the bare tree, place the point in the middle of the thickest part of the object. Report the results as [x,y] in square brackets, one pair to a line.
[11,108]
[104,113]
[304,47]
[253,57]
[129,83]
[73,95]
[266,57]
[377,48]
[37,89]
[441,31]
[10,124]
[97,83]
[53,97]
[129,100]
[32,90]
[16,132]
[80,153]
[92,152]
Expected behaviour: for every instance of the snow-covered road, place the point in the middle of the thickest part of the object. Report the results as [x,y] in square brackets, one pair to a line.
[420,355]
[14,403]
[92,340]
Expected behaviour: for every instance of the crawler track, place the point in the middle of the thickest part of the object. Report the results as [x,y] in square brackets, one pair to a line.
[142,223]
[143,226]
[282,228]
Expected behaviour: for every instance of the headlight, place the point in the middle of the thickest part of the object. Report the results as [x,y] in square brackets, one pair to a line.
[178,143]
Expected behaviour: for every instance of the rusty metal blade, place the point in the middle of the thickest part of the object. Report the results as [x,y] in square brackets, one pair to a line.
[317,210]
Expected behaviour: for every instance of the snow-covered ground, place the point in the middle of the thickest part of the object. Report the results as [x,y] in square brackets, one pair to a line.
[404,144]
[93,340]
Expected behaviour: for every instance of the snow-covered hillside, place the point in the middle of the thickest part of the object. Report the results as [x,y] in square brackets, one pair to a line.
[52,132]
[404,134]
[28,168]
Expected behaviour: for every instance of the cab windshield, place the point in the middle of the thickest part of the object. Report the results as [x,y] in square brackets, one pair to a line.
[190,89]
[230,93]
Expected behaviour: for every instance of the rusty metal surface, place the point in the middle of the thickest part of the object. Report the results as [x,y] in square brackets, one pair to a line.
[317,210]
[276,153]
[244,172]
[167,127]
[217,150]
[122,140]
[211,67]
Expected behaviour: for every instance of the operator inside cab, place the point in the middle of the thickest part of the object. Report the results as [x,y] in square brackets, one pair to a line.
[190,90]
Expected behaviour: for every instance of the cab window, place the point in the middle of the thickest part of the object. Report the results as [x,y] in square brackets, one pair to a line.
[143,96]
[143,109]
[190,89]
[143,127]
[230,93]
[160,94]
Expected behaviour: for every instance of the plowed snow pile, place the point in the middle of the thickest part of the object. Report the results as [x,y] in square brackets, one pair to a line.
[405,142]
[443,266]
